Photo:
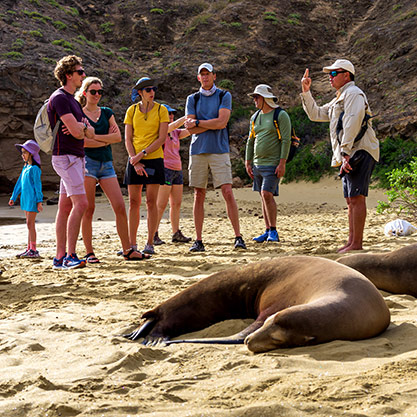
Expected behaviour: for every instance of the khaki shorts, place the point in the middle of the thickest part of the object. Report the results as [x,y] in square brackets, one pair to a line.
[71,169]
[219,164]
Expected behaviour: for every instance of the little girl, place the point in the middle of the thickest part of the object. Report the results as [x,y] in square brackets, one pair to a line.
[30,187]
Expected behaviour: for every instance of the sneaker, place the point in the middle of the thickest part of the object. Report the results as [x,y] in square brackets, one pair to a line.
[20,255]
[149,249]
[239,243]
[31,254]
[72,262]
[157,240]
[261,238]
[273,236]
[197,246]
[179,237]
[57,263]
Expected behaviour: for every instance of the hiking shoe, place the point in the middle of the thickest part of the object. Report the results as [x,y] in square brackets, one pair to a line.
[179,237]
[149,249]
[157,240]
[57,263]
[20,255]
[239,243]
[273,236]
[31,254]
[197,246]
[261,238]
[72,262]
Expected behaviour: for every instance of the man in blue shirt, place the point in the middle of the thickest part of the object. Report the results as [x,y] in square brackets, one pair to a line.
[208,112]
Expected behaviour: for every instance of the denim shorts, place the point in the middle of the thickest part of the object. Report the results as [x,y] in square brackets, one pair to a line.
[99,170]
[265,179]
[173,177]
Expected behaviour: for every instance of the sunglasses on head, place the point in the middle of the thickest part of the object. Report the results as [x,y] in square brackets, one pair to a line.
[94,92]
[149,89]
[334,73]
[79,71]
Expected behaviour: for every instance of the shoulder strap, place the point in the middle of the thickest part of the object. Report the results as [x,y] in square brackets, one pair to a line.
[196,98]
[252,132]
[277,111]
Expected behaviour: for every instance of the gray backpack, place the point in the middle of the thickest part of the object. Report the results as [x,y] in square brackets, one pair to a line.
[42,130]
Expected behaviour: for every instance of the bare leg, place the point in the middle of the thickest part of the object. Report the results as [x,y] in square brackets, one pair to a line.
[231,207]
[79,205]
[61,221]
[135,199]
[198,211]
[162,202]
[269,209]
[30,222]
[87,220]
[151,199]
[175,199]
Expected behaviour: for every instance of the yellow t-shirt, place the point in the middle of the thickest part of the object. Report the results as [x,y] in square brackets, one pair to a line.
[146,131]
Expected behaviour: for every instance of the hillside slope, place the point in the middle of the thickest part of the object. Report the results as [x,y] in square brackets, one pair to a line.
[248,42]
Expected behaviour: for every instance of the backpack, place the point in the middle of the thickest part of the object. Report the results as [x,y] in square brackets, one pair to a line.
[295,141]
[362,131]
[42,130]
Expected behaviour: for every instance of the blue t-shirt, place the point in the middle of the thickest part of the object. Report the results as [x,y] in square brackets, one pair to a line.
[210,141]
[29,187]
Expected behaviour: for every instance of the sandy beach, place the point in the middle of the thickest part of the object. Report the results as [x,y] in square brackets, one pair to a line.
[61,354]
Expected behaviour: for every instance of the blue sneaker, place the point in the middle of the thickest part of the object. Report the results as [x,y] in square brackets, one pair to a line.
[273,236]
[57,263]
[72,262]
[262,237]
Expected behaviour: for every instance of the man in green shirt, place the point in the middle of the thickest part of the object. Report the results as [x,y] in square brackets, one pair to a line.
[266,155]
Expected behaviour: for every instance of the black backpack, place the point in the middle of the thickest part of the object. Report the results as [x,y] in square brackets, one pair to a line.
[295,141]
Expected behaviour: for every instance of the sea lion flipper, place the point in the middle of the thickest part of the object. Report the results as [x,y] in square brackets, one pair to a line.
[142,331]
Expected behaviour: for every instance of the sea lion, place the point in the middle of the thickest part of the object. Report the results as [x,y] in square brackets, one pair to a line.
[395,272]
[294,300]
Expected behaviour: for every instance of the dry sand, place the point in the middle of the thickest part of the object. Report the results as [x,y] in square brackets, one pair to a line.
[60,354]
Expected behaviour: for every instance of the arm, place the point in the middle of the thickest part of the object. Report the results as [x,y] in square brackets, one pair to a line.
[16,191]
[249,151]
[176,124]
[113,136]
[37,183]
[218,123]
[284,123]
[184,133]
[79,130]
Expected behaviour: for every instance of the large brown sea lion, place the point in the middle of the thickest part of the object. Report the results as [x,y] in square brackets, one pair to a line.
[294,300]
[395,271]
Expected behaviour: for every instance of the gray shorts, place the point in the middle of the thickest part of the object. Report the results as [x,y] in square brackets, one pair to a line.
[219,165]
[265,179]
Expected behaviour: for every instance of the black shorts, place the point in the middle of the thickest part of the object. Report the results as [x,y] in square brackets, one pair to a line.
[357,181]
[156,173]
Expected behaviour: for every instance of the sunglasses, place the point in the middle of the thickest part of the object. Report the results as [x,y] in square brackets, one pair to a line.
[256,96]
[334,73]
[94,92]
[79,71]
[171,113]
[149,89]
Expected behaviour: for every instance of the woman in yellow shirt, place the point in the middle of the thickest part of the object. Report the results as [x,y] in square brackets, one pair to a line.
[146,127]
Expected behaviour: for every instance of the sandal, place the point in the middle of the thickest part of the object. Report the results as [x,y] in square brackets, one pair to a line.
[128,257]
[91,258]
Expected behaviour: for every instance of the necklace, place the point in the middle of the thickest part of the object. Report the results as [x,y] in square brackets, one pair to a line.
[93,115]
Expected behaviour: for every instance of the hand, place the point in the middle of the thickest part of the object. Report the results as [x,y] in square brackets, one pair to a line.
[189,123]
[135,159]
[140,169]
[113,129]
[306,81]
[345,168]
[65,130]
[11,203]
[40,207]
[249,169]
[280,169]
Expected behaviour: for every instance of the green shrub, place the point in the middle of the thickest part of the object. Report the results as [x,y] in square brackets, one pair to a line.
[402,195]
[394,153]
[107,27]
[239,169]
[18,43]
[37,16]
[227,45]
[158,11]
[65,44]
[271,16]
[13,55]
[49,60]
[228,84]
[36,33]
[59,25]
[294,19]
[72,11]
[123,49]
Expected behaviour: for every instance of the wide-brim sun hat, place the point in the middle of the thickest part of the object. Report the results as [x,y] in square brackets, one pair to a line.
[340,64]
[32,147]
[169,108]
[263,90]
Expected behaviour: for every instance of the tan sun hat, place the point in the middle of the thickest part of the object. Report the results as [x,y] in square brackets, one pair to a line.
[265,91]
[341,63]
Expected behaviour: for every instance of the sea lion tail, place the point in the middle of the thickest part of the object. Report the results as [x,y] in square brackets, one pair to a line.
[142,331]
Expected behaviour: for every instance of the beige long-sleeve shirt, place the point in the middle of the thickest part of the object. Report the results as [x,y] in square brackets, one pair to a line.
[354,103]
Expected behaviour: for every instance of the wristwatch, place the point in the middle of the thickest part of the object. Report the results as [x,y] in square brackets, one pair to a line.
[85,127]
[144,152]
[197,122]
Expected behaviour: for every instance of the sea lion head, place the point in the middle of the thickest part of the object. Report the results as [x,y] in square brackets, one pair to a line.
[272,335]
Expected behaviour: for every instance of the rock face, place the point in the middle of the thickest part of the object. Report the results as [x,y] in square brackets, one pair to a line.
[248,43]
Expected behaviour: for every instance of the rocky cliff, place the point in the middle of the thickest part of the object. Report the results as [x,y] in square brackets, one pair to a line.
[248,42]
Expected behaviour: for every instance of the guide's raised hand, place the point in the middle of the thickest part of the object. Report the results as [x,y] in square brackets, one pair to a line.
[306,81]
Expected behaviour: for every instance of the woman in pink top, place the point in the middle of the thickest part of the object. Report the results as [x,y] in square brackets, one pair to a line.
[172,190]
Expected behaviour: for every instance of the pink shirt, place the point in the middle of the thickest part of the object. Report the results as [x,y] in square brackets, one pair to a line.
[172,159]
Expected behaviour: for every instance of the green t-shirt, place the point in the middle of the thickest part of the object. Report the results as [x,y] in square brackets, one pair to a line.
[264,148]
[101,127]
